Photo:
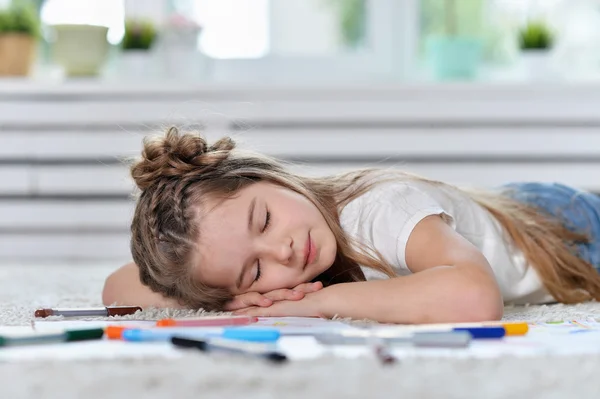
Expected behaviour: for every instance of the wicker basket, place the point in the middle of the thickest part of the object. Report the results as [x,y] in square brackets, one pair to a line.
[17,52]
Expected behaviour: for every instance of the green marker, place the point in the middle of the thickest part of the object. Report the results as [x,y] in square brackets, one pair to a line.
[67,336]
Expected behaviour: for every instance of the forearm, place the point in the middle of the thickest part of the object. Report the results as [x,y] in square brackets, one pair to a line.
[437,295]
[123,287]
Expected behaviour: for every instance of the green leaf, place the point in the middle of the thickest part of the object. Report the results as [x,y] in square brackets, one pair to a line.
[139,35]
[20,18]
[535,35]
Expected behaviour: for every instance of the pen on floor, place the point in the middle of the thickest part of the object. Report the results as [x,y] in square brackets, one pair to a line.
[165,334]
[66,336]
[441,339]
[226,345]
[77,312]
[208,321]
[477,332]
[381,350]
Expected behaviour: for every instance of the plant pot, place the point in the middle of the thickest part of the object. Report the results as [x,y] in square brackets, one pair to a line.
[80,49]
[135,64]
[535,65]
[17,53]
[181,59]
[454,57]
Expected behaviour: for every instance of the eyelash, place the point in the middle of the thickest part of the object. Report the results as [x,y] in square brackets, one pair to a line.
[257,271]
[267,223]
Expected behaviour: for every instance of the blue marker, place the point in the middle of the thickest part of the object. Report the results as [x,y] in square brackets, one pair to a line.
[251,334]
[483,332]
[236,333]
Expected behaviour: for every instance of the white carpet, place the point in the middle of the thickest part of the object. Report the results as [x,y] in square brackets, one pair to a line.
[25,288]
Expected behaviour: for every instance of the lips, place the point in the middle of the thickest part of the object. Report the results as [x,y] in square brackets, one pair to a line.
[309,251]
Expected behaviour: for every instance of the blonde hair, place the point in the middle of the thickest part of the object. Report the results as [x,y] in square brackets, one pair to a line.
[177,173]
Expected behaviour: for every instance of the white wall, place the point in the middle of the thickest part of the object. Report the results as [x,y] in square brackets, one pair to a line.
[152,9]
[65,192]
[302,27]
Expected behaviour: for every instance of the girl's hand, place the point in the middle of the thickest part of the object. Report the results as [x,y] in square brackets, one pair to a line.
[306,307]
[255,299]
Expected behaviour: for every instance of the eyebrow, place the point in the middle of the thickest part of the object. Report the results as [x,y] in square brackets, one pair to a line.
[238,283]
[251,212]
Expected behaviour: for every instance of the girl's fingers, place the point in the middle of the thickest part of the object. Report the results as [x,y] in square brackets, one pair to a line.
[251,299]
[247,300]
[309,287]
[284,294]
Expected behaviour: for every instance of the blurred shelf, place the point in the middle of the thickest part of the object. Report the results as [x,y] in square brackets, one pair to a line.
[36,89]
[66,192]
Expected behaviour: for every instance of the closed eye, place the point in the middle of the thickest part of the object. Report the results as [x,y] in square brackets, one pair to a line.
[267,221]
[257,271]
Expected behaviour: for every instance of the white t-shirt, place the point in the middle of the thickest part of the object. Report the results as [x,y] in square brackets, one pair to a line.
[384,217]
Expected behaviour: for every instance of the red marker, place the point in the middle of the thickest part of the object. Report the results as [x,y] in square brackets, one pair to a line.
[77,312]
[208,321]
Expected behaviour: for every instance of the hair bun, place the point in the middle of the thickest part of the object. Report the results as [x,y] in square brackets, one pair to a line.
[224,144]
[176,155]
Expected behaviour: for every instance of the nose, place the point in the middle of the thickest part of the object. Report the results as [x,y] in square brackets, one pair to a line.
[282,252]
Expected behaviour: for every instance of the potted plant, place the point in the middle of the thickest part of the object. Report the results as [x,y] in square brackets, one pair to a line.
[138,41]
[140,35]
[181,57]
[19,31]
[80,49]
[536,40]
[351,19]
[454,48]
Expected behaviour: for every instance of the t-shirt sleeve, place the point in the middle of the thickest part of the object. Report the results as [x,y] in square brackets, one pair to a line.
[385,217]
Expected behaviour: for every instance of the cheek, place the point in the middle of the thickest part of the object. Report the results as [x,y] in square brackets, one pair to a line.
[277,278]
[301,216]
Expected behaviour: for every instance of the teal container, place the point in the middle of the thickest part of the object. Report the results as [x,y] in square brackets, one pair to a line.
[454,58]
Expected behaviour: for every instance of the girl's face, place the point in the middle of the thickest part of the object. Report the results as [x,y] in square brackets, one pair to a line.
[265,238]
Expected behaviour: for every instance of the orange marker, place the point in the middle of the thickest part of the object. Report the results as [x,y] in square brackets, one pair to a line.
[116,331]
[208,321]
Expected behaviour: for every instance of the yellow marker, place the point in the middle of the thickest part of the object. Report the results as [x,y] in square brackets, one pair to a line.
[515,328]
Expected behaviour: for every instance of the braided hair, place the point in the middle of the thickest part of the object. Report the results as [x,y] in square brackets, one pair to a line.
[177,173]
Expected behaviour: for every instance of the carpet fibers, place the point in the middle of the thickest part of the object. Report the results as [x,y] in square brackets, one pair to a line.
[27,287]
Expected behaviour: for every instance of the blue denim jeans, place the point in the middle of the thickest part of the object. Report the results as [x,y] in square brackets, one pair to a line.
[579,211]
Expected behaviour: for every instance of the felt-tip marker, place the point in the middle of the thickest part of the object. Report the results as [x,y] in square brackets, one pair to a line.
[226,345]
[165,334]
[66,336]
[77,312]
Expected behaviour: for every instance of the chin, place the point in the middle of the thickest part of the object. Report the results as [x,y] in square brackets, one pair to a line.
[326,261]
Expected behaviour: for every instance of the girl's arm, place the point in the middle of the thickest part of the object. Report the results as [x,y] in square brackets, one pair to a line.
[123,287]
[451,282]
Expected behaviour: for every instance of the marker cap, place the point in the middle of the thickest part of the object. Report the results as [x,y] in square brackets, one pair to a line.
[516,328]
[42,313]
[114,332]
[83,335]
[122,310]
[251,334]
[166,323]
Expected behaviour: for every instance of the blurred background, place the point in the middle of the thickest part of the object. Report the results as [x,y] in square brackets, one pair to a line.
[472,92]
[266,41]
